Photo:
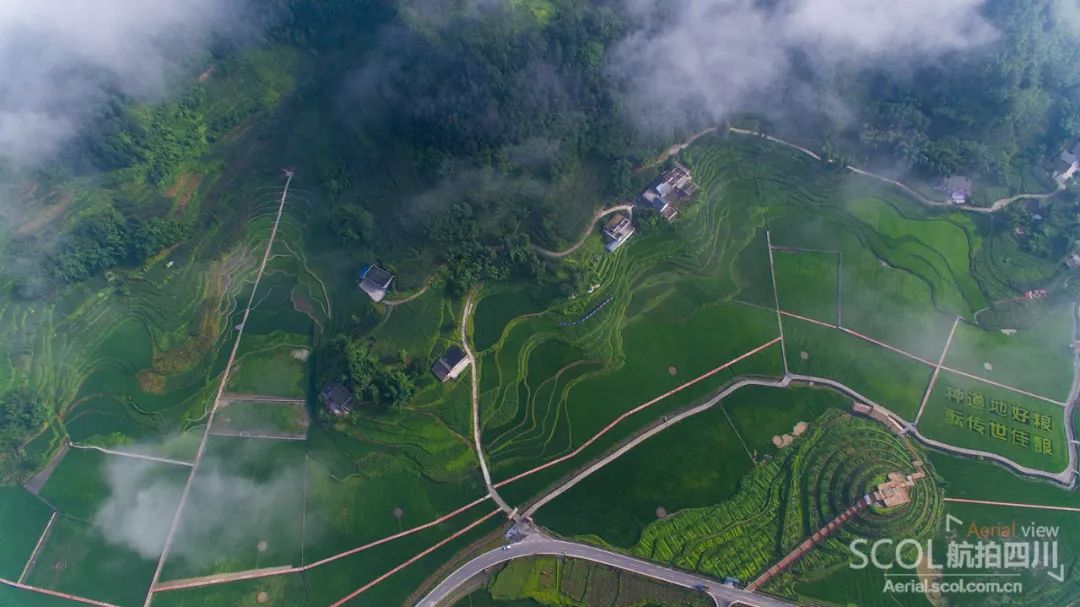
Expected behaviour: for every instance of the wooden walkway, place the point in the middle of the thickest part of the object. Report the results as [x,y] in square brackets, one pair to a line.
[822,534]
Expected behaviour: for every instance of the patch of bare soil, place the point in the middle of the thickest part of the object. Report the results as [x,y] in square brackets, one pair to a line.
[262,597]
[46,216]
[184,188]
[203,77]
[783,440]
[151,381]
[673,370]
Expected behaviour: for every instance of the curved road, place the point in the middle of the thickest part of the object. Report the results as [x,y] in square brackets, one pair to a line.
[538,544]
[997,205]
[600,214]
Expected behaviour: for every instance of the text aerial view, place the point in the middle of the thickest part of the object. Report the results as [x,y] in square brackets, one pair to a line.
[539,303]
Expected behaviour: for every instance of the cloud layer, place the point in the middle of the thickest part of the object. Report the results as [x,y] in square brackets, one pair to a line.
[704,59]
[59,57]
[234,510]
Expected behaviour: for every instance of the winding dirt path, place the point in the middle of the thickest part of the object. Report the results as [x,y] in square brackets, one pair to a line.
[997,205]
[474,375]
[600,214]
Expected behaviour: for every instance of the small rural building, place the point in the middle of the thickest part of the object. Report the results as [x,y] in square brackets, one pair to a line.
[1068,163]
[338,399]
[375,281]
[451,364]
[618,230]
[674,186]
[1073,261]
[958,187]
[894,492]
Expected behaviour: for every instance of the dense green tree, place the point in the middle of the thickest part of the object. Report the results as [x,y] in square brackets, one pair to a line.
[22,411]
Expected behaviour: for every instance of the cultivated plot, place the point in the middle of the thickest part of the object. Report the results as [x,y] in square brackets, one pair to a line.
[23,518]
[890,379]
[244,511]
[808,282]
[262,418]
[1038,359]
[974,415]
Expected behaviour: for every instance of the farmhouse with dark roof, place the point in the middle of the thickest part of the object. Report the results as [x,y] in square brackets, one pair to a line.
[673,186]
[337,398]
[375,281]
[451,364]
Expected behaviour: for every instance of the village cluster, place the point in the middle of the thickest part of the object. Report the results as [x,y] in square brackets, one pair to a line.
[673,188]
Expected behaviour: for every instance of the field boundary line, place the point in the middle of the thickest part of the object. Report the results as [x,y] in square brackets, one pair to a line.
[262,398]
[415,558]
[635,410]
[926,362]
[153,458]
[303,508]
[62,595]
[217,398]
[474,376]
[937,371]
[888,347]
[258,435]
[37,547]
[1004,386]
[649,433]
[997,205]
[809,320]
[961,500]
[738,434]
[839,288]
[1064,477]
[776,300]
[224,578]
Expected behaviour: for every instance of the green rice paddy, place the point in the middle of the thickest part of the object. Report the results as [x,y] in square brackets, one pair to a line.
[971,414]
[714,493]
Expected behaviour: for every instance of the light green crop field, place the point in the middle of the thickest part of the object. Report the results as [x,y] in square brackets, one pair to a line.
[80,558]
[498,308]
[808,283]
[885,377]
[22,520]
[274,368]
[1039,588]
[976,415]
[943,244]
[554,582]
[1038,359]
[675,303]
[245,509]
[695,463]
[257,417]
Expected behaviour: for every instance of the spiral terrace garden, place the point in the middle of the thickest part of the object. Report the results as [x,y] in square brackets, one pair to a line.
[780,257]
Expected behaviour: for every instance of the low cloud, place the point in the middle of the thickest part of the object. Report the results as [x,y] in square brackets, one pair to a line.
[701,60]
[233,509]
[60,58]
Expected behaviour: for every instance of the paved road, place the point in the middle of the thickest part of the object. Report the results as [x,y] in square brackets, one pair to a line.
[538,544]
